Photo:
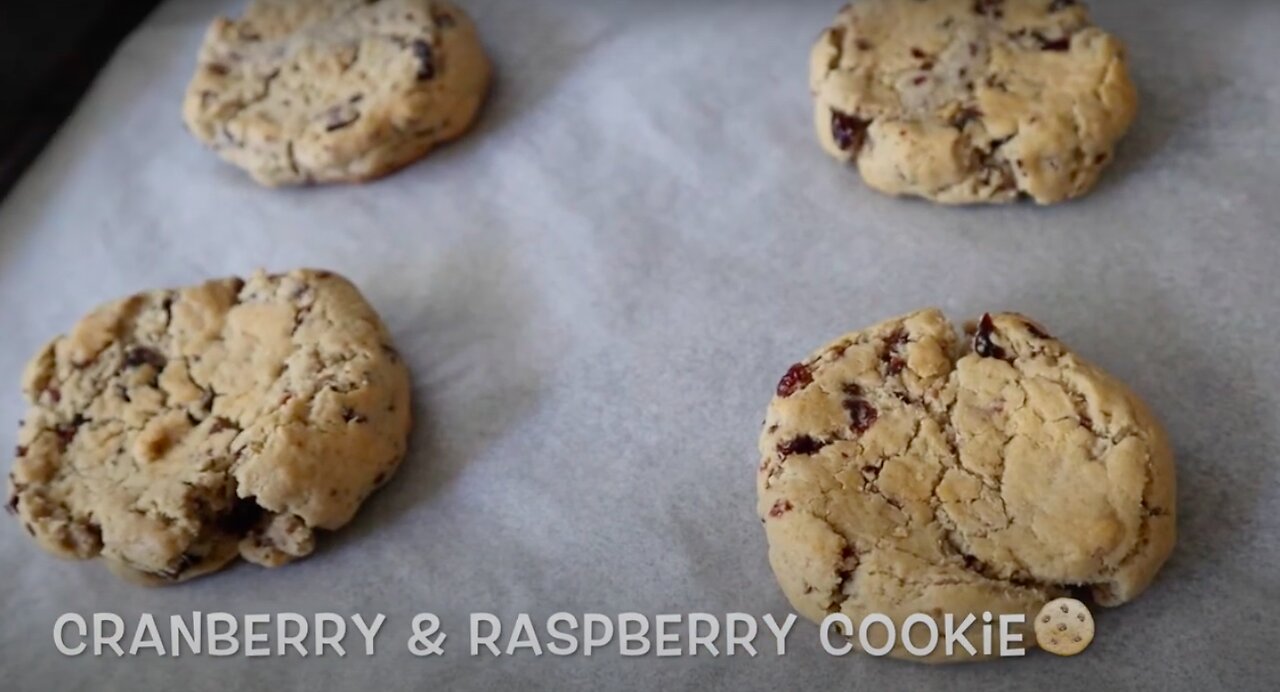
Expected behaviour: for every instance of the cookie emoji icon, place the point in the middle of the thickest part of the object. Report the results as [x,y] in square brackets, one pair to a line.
[1064,627]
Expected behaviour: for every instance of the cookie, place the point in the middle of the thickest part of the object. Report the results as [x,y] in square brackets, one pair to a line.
[1064,627]
[335,90]
[971,101]
[908,470]
[172,431]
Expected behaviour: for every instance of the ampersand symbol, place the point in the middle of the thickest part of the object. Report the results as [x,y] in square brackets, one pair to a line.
[422,643]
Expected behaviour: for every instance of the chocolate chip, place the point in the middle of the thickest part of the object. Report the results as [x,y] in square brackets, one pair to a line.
[142,355]
[216,68]
[780,508]
[339,117]
[862,44]
[797,377]
[351,416]
[918,54]
[242,516]
[990,8]
[982,343]
[804,444]
[964,116]
[67,431]
[861,413]
[849,131]
[426,60]
[184,562]
[1036,331]
[219,424]
[20,451]
[848,562]
[1056,45]
[1100,159]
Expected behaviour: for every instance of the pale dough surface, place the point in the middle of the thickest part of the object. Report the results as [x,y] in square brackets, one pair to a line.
[335,90]
[172,431]
[964,101]
[907,471]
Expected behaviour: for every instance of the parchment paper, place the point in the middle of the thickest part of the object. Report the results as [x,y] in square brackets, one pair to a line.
[597,291]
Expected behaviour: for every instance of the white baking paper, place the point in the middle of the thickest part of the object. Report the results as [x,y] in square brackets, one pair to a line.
[597,291]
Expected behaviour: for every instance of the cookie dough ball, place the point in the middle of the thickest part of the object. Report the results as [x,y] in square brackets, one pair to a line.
[906,470]
[335,90]
[964,101]
[172,431]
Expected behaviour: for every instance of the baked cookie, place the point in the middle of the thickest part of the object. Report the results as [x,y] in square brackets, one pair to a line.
[335,90]
[966,101]
[172,431]
[908,471]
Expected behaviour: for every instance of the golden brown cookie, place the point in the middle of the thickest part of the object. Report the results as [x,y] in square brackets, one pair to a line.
[964,101]
[906,470]
[172,431]
[335,90]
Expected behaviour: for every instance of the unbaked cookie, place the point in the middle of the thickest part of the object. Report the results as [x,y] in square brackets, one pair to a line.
[335,90]
[906,470]
[172,431]
[966,101]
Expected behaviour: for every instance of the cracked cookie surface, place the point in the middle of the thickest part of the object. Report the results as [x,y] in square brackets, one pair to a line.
[906,470]
[172,431]
[335,90]
[971,101]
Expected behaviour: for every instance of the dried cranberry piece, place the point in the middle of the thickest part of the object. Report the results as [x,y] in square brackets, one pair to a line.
[862,414]
[982,343]
[849,131]
[804,444]
[780,508]
[892,356]
[798,377]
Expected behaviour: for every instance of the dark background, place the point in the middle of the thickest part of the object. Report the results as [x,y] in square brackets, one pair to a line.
[50,51]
